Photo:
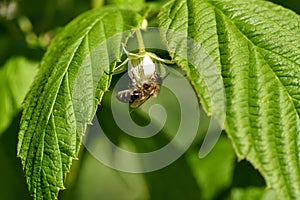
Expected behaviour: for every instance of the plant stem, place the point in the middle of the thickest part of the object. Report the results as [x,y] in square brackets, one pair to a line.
[140,41]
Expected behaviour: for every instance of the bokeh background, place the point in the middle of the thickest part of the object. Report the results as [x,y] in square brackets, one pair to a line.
[26,30]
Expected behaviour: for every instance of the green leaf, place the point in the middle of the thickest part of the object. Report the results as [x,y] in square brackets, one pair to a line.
[15,78]
[214,172]
[255,46]
[134,4]
[65,95]
[252,193]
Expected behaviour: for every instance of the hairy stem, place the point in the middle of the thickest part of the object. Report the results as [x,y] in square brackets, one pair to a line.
[140,41]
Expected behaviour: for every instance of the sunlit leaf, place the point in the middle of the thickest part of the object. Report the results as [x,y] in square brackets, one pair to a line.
[135,4]
[65,95]
[255,46]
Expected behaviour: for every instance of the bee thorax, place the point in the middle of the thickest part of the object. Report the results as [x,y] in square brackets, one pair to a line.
[135,96]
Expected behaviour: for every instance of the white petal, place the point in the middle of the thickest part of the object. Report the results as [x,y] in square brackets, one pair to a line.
[148,66]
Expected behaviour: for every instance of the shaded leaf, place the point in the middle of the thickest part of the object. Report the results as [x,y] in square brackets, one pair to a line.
[11,173]
[15,79]
[214,172]
[252,193]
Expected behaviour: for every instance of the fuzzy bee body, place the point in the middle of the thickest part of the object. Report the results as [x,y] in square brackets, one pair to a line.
[147,91]
[144,80]
[140,94]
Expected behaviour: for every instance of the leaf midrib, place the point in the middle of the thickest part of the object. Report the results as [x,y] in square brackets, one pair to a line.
[56,93]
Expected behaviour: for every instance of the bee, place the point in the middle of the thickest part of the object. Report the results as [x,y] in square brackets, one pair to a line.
[136,97]
[147,92]
[145,82]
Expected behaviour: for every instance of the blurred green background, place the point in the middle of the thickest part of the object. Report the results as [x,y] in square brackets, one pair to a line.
[26,30]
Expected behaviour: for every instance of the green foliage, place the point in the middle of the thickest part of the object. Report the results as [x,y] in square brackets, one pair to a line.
[252,193]
[221,176]
[136,4]
[255,45]
[15,78]
[252,46]
[52,124]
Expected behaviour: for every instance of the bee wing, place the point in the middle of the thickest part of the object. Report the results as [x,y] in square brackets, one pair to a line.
[124,96]
[134,70]
[161,69]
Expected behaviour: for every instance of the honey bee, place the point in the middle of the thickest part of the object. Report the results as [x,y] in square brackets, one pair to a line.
[136,97]
[147,92]
[145,82]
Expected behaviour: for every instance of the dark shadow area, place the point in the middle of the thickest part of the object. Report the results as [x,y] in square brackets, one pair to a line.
[290,4]
[245,175]
[14,187]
